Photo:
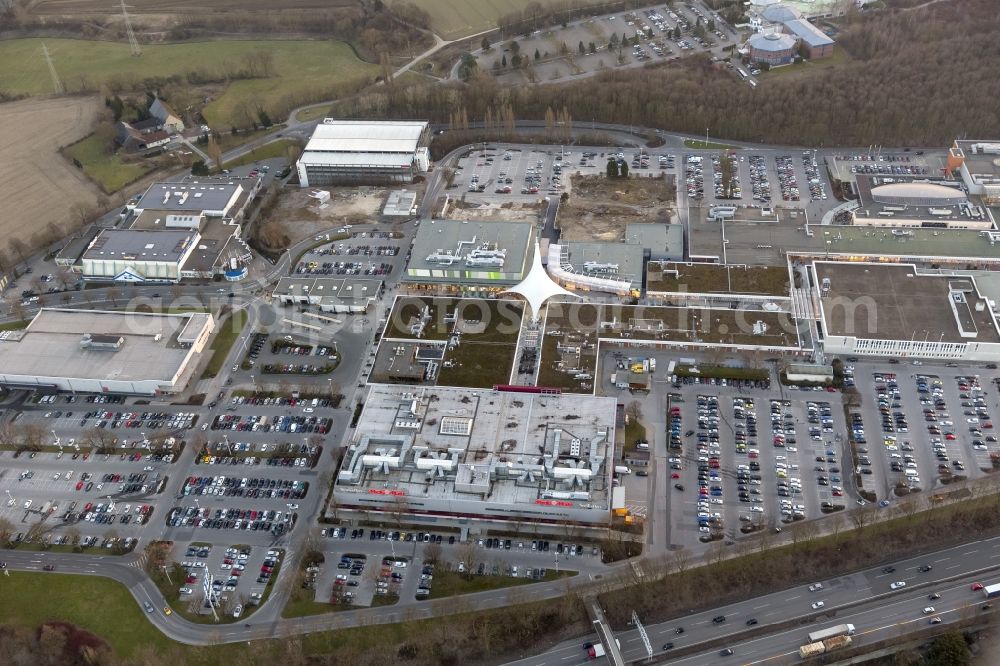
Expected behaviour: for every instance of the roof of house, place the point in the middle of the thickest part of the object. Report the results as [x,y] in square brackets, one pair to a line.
[148,123]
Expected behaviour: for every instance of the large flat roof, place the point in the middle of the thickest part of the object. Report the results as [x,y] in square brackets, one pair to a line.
[190,197]
[496,447]
[896,302]
[660,239]
[141,244]
[329,289]
[436,239]
[50,346]
[607,260]
[982,158]
[928,201]
[362,136]
[718,279]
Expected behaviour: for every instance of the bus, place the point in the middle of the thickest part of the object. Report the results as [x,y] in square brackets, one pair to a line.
[992,591]
[839,630]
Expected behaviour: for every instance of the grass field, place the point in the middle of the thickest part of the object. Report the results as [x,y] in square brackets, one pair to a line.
[277,148]
[229,330]
[32,169]
[303,69]
[104,168]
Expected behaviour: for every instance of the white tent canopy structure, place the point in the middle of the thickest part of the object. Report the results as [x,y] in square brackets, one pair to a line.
[537,287]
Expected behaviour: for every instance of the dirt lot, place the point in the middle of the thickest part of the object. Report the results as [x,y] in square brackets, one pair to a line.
[300,217]
[599,208]
[509,210]
[40,188]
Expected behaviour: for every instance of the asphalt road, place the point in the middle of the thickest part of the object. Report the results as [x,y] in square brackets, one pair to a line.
[862,598]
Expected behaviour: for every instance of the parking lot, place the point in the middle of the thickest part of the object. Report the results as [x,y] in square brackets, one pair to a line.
[646,35]
[774,177]
[237,576]
[363,254]
[924,430]
[747,463]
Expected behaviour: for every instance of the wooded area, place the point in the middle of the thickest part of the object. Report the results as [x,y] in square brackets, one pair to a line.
[913,78]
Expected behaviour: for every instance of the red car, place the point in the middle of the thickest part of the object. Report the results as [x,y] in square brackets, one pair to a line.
[675,475]
[976,587]
[79,485]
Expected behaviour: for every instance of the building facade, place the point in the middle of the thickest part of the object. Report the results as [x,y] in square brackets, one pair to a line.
[364,152]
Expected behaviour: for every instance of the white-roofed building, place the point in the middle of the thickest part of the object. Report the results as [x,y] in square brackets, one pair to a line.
[361,151]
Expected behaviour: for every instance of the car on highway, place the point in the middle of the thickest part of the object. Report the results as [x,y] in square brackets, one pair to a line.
[898,585]
[816,605]
[933,595]
[49,567]
[976,587]
[751,622]
[889,569]
[725,652]
[148,606]
[929,610]
[668,646]
[167,610]
[719,619]
[935,620]
[815,586]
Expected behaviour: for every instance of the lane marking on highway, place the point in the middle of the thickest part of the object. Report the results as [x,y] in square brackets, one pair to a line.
[943,559]
[971,552]
[759,607]
[952,567]
[793,598]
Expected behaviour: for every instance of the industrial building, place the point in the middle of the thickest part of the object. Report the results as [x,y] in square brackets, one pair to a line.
[899,312]
[902,202]
[615,268]
[329,294]
[979,164]
[365,152]
[772,48]
[465,257]
[132,255]
[781,33]
[173,231]
[104,352]
[422,455]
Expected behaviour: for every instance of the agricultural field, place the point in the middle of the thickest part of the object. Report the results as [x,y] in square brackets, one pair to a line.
[453,19]
[80,7]
[42,189]
[301,71]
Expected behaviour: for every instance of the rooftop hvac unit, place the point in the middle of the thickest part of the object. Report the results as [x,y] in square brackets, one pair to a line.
[598,267]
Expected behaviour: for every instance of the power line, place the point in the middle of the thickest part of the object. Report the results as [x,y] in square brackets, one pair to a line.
[132,41]
[57,85]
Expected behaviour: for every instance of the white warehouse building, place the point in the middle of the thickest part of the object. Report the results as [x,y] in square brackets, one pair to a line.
[361,151]
[105,352]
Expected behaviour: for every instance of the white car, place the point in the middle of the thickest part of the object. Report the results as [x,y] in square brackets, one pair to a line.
[186,591]
[899,584]
[817,605]
[815,586]
[929,610]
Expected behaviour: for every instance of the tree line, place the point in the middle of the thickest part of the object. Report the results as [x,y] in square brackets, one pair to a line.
[907,81]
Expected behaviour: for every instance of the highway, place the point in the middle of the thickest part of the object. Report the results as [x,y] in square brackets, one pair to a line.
[862,598]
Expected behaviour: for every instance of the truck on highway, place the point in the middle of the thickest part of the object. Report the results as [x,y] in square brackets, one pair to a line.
[839,630]
[595,650]
[822,647]
[992,591]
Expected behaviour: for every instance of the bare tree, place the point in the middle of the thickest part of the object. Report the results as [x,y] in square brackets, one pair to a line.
[113,293]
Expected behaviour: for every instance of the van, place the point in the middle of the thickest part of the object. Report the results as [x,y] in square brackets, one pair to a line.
[642,446]
[315,402]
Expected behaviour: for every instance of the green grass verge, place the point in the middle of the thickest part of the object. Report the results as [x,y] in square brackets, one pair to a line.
[15,325]
[701,144]
[634,431]
[270,150]
[229,330]
[228,140]
[303,71]
[452,583]
[104,168]
[313,113]
[103,607]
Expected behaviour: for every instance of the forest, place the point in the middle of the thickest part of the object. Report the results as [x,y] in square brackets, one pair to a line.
[917,78]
